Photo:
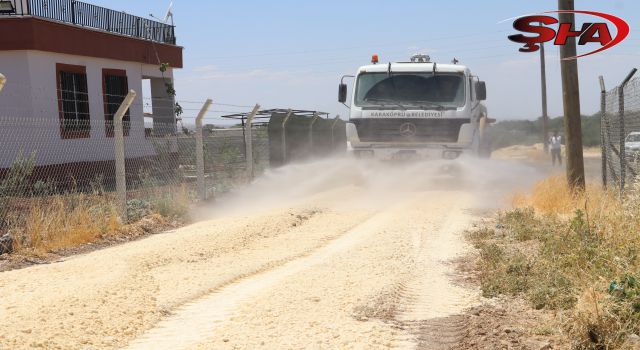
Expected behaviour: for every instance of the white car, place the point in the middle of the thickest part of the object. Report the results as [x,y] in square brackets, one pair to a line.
[632,142]
[632,145]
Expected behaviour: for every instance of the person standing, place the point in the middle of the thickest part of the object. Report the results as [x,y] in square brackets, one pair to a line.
[555,146]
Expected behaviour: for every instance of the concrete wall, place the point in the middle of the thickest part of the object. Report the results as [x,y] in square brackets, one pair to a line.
[29,118]
[15,98]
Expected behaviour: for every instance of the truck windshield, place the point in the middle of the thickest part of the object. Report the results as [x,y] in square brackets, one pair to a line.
[423,90]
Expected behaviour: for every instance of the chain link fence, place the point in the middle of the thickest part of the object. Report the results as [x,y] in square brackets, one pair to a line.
[298,135]
[620,133]
[57,166]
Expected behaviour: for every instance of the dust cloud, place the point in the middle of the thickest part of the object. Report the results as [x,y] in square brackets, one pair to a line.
[284,273]
[395,261]
[375,184]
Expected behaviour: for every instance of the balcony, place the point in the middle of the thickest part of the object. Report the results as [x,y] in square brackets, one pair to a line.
[91,16]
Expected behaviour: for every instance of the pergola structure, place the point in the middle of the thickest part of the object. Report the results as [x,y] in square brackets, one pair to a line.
[263,116]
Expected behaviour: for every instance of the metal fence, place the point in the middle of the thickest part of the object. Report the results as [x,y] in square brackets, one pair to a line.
[620,133]
[92,16]
[296,135]
[134,168]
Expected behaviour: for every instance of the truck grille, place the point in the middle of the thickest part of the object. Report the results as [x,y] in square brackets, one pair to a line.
[408,130]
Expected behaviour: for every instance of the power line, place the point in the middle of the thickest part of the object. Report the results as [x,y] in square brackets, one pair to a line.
[372,45]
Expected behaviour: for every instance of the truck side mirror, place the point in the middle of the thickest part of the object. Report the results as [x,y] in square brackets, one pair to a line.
[342,93]
[481,91]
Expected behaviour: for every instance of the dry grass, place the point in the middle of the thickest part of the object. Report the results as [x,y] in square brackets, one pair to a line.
[553,196]
[58,222]
[575,252]
[40,219]
[170,202]
[61,222]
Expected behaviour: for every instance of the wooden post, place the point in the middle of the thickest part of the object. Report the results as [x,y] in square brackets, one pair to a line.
[121,179]
[202,190]
[571,102]
[543,86]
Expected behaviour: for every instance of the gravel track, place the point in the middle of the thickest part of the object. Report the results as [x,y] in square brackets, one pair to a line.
[354,298]
[321,256]
[107,298]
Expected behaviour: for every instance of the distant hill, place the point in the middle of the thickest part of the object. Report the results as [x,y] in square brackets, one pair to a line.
[527,132]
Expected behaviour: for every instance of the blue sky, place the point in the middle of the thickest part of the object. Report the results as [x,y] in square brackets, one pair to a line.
[285,53]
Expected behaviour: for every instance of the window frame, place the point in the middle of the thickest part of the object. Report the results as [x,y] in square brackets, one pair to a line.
[75,69]
[461,75]
[126,120]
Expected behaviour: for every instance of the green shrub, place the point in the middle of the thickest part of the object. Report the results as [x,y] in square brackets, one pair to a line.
[584,260]
[137,209]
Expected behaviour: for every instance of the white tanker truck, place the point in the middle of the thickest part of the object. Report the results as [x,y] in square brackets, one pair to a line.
[416,109]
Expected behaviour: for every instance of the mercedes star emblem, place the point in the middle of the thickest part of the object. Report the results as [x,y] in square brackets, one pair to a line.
[407,129]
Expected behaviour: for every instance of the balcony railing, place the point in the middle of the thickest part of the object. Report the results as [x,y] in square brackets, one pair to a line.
[92,16]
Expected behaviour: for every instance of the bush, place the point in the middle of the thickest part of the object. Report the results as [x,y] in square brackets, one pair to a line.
[15,183]
[573,252]
[137,209]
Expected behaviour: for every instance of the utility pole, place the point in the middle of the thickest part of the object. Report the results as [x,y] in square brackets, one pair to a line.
[545,116]
[571,102]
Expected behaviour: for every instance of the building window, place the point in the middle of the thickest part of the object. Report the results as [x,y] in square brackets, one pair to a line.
[115,89]
[73,101]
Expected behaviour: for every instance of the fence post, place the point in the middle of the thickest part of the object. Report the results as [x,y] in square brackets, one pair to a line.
[248,140]
[3,81]
[603,116]
[121,180]
[284,136]
[333,139]
[623,153]
[202,190]
[313,121]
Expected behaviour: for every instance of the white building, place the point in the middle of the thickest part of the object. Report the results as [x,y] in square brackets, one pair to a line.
[68,66]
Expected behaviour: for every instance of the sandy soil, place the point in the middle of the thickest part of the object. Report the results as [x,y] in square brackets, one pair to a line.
[535,155]
[344,295]
[108,297]
[326,255]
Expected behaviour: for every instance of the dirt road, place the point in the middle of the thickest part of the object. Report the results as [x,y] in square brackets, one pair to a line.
[323,256]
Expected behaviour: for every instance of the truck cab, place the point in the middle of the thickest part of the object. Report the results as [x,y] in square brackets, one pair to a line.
[416,109]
